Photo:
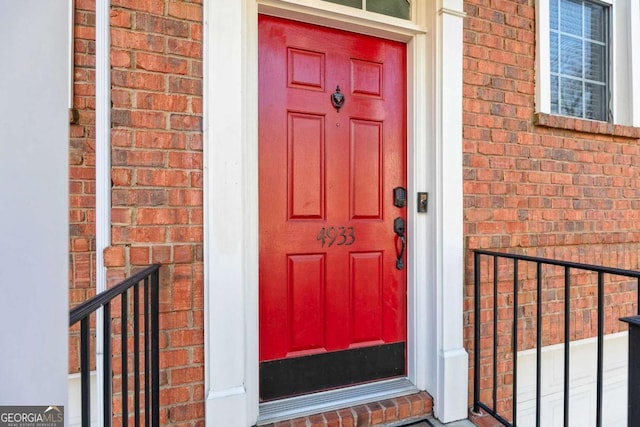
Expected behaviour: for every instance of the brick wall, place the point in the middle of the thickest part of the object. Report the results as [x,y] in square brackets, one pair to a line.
[82,157]
[82,243]
[157,202]
[157,197]
[541,185]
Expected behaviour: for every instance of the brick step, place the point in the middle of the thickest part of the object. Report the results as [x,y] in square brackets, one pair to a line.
[399,411]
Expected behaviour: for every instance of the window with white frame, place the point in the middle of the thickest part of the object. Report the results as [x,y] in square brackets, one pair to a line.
[588,59]
[396,8]
[579,58]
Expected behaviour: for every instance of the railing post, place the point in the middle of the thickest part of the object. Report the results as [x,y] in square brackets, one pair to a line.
[633,392]
[476,332]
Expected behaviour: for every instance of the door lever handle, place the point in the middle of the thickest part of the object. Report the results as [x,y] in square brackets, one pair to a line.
[399,228]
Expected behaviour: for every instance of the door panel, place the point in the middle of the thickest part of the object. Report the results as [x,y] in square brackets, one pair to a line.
[328,279]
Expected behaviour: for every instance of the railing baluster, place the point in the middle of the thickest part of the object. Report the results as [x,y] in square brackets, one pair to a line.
[538,341]
[85,375]
[515,342]
[495,332]
[136,353]
[476,332]
[567,342]
[147,357]
[600,347]
[106,365]
[155,347]
[124,343]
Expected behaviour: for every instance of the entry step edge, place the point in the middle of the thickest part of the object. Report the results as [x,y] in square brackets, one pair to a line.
[390,400]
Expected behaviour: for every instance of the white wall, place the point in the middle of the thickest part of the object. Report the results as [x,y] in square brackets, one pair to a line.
[34,58]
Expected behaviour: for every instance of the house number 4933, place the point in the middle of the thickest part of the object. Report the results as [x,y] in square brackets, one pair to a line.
[337,235]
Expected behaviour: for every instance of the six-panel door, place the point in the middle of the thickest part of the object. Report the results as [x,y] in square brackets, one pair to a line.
[332,148]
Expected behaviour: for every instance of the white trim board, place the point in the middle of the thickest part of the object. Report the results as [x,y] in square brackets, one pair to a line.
[437,360]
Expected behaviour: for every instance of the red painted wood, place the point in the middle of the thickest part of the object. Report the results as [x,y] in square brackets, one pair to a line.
[319,168]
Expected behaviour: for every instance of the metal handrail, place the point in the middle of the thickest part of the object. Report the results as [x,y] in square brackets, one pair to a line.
[148,280]
[568,267]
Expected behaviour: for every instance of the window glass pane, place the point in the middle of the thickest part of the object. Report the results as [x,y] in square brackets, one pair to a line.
[571,97]
[594,22]
[397,8]
[595,102]
[579,59]
[554,52]
[352,3]
[553,9]
[554,95]
[571,56]
[595,61]
[571,17]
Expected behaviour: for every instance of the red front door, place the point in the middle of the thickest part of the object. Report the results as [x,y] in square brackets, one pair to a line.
[332,146]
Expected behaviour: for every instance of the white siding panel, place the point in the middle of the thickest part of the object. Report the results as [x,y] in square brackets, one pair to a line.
[582,391]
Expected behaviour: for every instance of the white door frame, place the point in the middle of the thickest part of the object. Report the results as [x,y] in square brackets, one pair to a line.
[437,359]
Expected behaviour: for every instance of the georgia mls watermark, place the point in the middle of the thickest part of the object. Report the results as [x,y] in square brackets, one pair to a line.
[32,416]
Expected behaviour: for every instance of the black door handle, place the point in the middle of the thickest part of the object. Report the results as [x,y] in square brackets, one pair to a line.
[399,228]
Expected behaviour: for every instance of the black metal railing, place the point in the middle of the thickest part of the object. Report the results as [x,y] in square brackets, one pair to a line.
[143,322]
[508,277]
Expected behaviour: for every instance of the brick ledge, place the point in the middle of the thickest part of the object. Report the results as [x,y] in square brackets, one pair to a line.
[406,408]
[583,125]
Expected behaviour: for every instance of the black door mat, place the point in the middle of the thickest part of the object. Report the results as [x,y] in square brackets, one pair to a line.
[420,423]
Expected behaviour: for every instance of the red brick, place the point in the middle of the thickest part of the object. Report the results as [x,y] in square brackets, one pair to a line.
[121,176]
[162,177]
[138,41]
[187,11]
[139,255]
[135,158]
[138,80]
[185,160]
[183,254]
[120,18]
[157,139]
[174,320]
[120,58]
[160,25]
[161,254]
[161,63]
[185,85]
[156,7]
[171,396]
[185,234]
[186,338]
[114,256]
[150,216]
[186,122]
[185,197]
[158,101]
[185,48]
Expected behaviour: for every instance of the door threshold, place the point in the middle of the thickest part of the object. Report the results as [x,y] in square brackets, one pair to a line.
[299,406]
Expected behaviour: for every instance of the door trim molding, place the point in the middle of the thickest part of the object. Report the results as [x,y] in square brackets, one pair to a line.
[437,361]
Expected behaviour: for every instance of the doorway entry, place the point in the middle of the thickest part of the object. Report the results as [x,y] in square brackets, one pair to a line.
[332,209]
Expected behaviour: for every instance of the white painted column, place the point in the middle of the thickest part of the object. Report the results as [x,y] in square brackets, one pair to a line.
[452,360]
[34,210]
[231,212]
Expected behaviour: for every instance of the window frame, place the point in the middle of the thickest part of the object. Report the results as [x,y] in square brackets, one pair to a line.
[364,8]
[624,58]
